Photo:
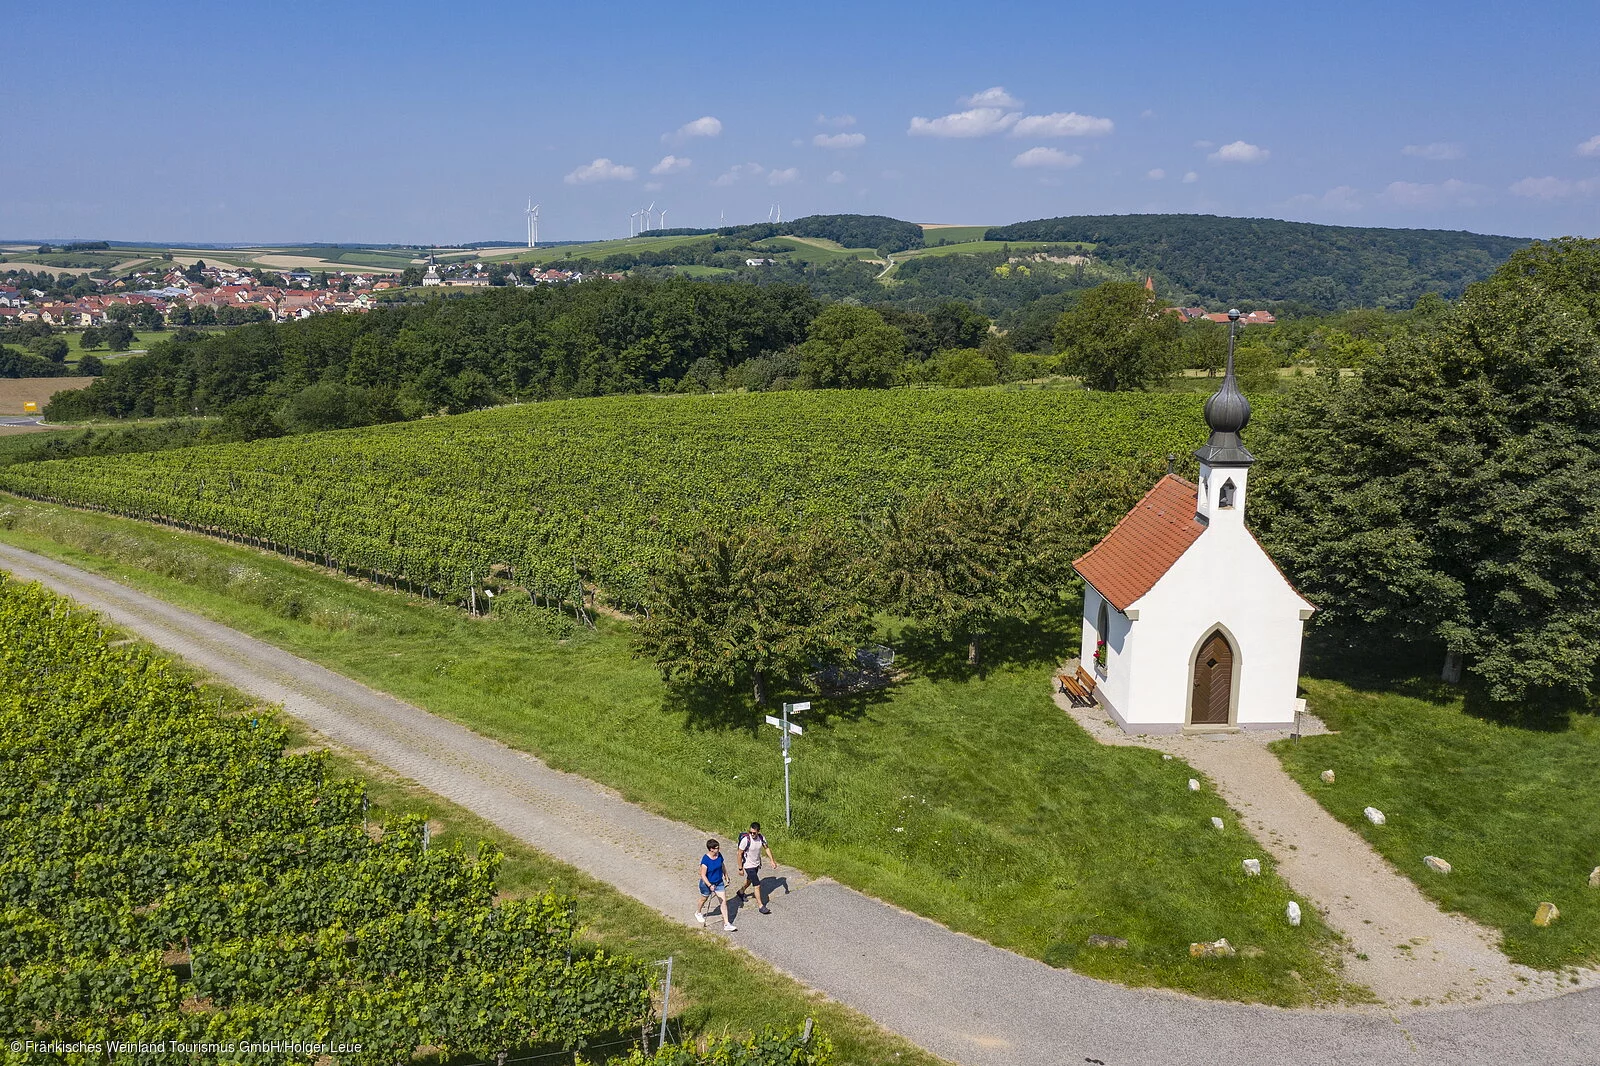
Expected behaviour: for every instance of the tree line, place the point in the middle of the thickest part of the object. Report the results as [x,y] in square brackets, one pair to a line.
[751,608]
[1449,492]
[1328,268]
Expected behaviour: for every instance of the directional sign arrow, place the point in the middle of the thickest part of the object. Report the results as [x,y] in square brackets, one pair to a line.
[775,721]
[794,729]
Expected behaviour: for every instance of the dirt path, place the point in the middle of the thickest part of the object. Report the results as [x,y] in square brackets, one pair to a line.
[959,997]
[1401,945]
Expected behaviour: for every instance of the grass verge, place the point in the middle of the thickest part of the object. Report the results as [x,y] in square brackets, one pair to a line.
[1510,805]
[971,801]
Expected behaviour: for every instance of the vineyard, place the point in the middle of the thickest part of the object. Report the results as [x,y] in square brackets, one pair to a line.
[546,496]
[169,874]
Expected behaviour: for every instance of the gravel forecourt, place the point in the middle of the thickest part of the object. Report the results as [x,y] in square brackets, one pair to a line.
[956,996]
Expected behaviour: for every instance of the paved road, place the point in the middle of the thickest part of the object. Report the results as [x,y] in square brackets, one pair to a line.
[966,1000]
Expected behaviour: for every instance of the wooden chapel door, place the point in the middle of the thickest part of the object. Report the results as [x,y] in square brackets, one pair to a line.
[1213,682]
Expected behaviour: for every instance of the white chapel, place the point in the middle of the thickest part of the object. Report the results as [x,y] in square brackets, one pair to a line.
[1188,625]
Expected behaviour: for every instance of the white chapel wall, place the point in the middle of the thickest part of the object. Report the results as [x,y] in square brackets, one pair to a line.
[1225,577]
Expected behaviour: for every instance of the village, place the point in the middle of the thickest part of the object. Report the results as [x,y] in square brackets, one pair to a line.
[207,295]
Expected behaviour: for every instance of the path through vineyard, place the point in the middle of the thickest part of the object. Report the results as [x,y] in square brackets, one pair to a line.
[961,998]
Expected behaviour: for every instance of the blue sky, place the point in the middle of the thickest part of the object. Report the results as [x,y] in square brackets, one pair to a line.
[435,122]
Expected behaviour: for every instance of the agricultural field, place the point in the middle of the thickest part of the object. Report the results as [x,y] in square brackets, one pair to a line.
[206,863]
[814,250]
[608,485]
[970,801]
[938,234]
[14,392]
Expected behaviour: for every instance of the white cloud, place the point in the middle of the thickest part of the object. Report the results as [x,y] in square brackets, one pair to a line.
[836,178]
[839,140]
[704,126]
[600,170]
[739,172]
[670,164]
[1433,195]
[1205,145]
[1190,178]
[1046,157]
[1062,124]
[995,97]
[1239,152]
[1438,151]
[836,121]
[979,122]
[1554,188]
[1339,198]
[1591,147]
[784,177]
[1147,113]
[1156,175]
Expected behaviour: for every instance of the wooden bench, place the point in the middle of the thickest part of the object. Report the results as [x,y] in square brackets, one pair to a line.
[1078,687]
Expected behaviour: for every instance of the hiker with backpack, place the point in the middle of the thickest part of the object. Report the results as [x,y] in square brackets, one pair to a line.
[751,845]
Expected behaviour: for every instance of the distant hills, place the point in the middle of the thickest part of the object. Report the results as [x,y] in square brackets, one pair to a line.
[1260,260]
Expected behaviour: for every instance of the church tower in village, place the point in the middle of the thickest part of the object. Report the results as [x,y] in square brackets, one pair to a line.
[1187,622]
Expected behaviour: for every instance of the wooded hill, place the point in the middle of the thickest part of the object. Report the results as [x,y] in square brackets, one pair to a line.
[1261,260]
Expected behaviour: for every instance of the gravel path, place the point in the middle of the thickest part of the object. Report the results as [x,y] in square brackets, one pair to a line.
[960,998]
[1445,958]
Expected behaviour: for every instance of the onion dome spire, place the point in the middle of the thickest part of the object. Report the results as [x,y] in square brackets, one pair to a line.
[1227,412]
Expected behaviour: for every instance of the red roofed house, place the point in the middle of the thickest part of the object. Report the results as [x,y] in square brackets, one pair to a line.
[1187,622]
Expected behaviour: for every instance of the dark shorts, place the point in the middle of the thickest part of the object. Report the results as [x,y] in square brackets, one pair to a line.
[721,886]
[752,876]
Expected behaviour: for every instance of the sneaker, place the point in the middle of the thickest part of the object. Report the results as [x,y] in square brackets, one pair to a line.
[764,910]
[699,917]
[729,927]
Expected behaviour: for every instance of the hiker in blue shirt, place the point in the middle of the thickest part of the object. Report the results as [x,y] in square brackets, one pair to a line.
[714,884]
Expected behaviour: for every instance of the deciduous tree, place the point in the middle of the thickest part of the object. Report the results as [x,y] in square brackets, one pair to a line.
[1118,337]
[1452,492]
[751,608]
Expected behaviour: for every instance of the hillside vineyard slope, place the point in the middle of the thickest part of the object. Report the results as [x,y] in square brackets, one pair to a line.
[605,486]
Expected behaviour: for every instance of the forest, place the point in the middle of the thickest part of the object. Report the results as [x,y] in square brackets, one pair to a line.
[1259,260]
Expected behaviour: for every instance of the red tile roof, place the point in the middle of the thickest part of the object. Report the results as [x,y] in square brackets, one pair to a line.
[1144,545]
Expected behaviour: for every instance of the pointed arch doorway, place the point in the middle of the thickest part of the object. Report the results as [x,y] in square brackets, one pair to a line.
[1211,700]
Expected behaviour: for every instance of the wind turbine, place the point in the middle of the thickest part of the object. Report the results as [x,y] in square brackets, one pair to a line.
[647,212]
[779,207]
[663,217]
[533,224]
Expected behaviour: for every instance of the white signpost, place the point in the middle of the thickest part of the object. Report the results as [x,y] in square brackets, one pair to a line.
[787,729]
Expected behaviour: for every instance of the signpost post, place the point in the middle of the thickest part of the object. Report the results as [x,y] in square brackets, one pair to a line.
[787,729]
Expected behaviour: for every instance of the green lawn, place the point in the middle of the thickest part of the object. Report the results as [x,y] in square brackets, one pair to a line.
[141,339]
[974,802]
[1512,806]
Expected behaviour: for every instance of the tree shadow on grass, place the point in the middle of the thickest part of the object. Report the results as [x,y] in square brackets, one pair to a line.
[1375,664]
[1545,712]
[928,653]
[714,709]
